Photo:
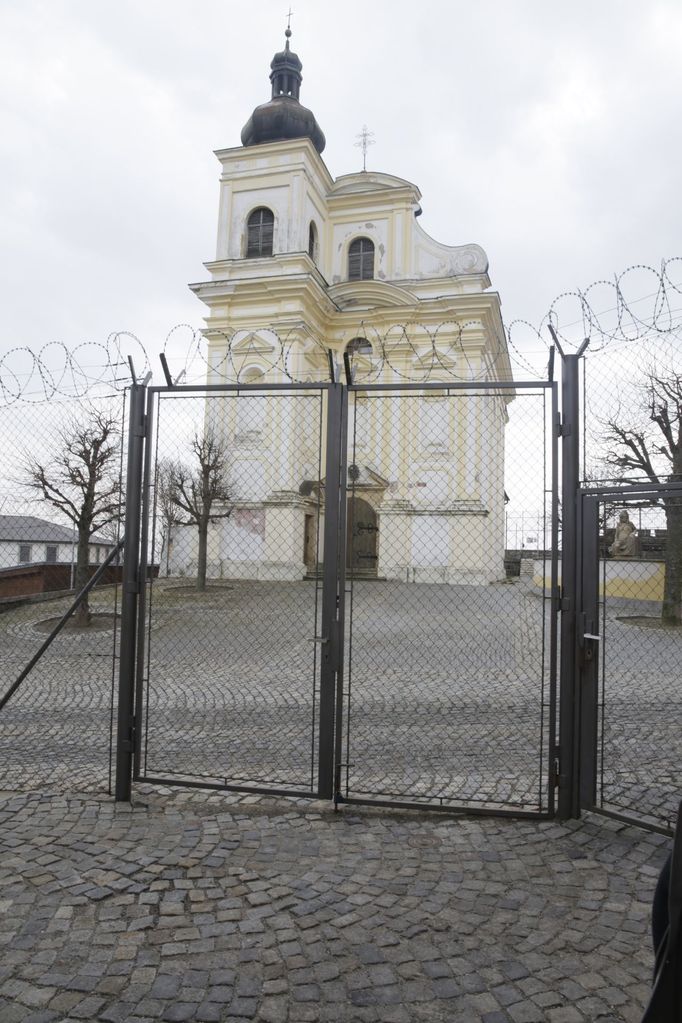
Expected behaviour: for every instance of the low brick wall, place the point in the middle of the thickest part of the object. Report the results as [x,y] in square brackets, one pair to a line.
[27,580]
[625,579]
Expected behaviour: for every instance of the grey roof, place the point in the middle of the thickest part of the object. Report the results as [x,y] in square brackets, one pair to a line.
[29,529]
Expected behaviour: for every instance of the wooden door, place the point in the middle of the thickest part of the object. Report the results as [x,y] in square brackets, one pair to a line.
[361,549]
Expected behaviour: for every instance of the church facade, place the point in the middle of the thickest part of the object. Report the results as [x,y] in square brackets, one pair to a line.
[307,265]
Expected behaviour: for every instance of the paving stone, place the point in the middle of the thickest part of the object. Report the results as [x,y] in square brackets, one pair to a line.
[209,1012]
[244,1008]
[166,985]
[402,918]
[180,1012]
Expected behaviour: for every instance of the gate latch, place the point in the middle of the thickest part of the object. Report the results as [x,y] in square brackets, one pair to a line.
[319,639]
[588,638]
[588,644]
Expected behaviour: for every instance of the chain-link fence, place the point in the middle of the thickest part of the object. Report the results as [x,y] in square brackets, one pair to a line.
[631,457]
[633,438]
[450,681]
[444,646]
[442,667]
[231,664]
[60,512]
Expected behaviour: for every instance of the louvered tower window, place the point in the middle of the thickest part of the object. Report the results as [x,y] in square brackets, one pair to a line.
[312,242]
[259,233]
[361,260]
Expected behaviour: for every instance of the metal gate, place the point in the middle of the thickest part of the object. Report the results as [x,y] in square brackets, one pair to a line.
[450,682]
[236,683]
[423,675]
[629,657]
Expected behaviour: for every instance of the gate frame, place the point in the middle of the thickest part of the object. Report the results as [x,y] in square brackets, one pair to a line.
[132,689]
[551,752]
[588,639]
[330,750]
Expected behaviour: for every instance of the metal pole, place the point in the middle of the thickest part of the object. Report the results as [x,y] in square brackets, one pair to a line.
[341,597]
[331,638]
[554,604]
[125,738]
[144,579]
[588,638]
[569,693]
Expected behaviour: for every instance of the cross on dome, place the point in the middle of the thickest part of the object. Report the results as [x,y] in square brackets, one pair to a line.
[366,140]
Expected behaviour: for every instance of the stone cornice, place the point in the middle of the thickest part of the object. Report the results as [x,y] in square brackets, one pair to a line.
[364,182]
[370,294]
[379,200]
[284,264]
[295,150]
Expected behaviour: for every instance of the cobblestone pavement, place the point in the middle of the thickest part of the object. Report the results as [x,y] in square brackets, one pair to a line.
[446,696]
[196,906]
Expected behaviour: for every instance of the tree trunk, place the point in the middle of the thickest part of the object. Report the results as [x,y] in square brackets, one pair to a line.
[82,616]
[201,556]
[672,593]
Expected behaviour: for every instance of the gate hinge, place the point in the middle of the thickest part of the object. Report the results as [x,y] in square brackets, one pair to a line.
[562,429]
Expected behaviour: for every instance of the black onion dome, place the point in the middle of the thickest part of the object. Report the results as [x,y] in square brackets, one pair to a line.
[283,117]
[280,119]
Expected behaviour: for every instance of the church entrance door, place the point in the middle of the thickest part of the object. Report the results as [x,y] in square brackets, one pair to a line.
[362,534]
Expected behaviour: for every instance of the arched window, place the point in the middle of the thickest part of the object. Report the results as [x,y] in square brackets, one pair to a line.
[361,260]
[359,346]
[259,232]
[312,242]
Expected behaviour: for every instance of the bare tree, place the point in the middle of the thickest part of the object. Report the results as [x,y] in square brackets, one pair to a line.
[81,479]
[652,449]
[167,509]
[197,489]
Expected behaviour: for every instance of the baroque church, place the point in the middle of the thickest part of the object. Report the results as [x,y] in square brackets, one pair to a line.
[308,265]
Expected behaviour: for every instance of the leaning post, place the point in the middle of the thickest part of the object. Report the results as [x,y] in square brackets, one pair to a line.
[126,732]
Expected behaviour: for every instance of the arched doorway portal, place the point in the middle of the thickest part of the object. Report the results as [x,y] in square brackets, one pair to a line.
[362,534]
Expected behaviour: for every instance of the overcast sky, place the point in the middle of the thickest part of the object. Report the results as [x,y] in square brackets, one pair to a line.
[547,132]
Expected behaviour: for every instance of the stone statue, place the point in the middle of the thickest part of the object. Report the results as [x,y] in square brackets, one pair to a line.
[625,540]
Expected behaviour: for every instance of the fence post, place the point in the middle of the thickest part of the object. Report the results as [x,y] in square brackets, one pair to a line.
[125,737]
[333,585]
[588,626]
[144,577]
[569,692]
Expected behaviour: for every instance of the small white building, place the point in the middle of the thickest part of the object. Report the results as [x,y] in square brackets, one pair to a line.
[27,540]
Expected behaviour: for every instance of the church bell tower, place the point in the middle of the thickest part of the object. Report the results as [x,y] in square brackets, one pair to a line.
[307,265]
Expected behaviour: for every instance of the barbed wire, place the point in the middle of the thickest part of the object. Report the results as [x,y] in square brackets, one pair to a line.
[55,371]
[604,311]
[413,352]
